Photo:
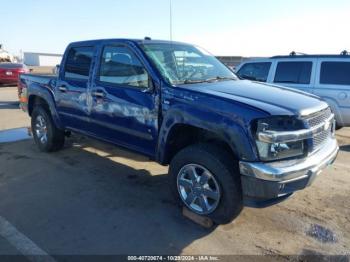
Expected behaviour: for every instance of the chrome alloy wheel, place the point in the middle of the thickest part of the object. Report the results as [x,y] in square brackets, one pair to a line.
[41,129]
[198,189]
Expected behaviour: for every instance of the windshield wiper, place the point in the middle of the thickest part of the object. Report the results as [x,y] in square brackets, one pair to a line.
[191,81]
[219,78]
[208,80]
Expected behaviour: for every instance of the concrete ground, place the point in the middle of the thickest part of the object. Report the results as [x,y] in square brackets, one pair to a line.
[93,198]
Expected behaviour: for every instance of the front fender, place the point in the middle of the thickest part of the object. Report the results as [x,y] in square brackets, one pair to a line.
[234,132]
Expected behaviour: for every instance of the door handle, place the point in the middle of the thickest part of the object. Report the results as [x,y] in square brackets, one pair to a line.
[63,89]
[98,93]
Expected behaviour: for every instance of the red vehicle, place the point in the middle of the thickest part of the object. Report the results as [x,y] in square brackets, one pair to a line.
[9,72]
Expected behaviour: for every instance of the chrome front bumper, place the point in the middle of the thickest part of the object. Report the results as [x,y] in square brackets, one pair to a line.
[286,171]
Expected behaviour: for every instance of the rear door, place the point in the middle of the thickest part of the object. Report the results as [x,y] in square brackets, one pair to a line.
[72,88]
[124,105]
[298,74]
[333,85]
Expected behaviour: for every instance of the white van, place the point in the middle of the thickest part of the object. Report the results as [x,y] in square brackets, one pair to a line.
[327,76]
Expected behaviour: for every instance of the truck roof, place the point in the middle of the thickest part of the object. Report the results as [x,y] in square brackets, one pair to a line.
[137,41]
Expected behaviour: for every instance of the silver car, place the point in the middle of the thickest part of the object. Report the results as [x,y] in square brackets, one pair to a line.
[327,76]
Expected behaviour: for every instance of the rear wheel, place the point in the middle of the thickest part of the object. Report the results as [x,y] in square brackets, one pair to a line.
[46,135]
[206,180]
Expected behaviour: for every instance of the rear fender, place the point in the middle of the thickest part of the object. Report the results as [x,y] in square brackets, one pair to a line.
[45,94]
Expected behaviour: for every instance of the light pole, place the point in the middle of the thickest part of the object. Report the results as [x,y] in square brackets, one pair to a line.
[171,20]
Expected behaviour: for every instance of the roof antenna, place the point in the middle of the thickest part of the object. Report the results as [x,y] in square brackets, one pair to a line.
[171,20]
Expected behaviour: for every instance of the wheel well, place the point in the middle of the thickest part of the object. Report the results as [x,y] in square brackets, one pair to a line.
[183,135]
[36,100]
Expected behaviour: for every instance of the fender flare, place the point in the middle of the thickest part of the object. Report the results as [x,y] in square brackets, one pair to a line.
[47,96]
[231,132]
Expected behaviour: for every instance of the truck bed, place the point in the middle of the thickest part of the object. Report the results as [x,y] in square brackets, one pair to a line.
[40,79]
[30,79]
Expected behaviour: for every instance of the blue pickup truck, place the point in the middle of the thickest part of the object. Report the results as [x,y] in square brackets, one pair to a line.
[228,142]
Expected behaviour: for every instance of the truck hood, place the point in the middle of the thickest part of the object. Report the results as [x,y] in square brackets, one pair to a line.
[275,100]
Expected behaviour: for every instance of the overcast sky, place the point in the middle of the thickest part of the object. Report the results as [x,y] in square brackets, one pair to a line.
[224,27]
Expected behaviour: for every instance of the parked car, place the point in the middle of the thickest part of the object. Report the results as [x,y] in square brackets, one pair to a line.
[9,72]
[228,142]
[327,76]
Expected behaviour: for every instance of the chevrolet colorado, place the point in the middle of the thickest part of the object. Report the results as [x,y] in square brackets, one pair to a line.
[228,142]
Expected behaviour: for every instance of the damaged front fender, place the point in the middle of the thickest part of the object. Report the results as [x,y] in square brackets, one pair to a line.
[231,132]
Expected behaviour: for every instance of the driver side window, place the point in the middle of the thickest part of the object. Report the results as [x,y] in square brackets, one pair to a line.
[120,66]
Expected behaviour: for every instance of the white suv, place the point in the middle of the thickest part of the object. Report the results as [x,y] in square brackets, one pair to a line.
[327,76]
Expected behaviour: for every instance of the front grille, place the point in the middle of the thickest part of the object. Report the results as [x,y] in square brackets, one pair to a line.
[315,119]
[319,117]
[320,138]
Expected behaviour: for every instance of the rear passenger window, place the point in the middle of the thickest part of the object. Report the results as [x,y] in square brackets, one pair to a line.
[255,71]
[293,72]
[78,63]
[120,66]
[335,73]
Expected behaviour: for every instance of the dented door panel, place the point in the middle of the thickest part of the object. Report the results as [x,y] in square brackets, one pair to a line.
[125,116]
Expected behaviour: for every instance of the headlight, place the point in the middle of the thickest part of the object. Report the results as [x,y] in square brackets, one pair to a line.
[275,151]
[279,150]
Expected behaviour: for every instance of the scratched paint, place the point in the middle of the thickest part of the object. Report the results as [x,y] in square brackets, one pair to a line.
[117,108]
[141,114]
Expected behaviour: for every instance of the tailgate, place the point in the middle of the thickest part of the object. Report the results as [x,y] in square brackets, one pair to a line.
[22,95]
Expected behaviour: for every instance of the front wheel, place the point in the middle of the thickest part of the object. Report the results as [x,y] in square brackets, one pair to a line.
[206,180]
[46,135]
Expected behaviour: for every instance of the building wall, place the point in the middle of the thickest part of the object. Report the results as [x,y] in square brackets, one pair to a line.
[41,59]
[233,61]
[49,60]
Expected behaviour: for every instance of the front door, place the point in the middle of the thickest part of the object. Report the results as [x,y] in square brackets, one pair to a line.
[124,105]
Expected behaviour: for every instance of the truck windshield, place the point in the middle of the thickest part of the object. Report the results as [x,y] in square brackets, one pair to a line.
[186,64]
